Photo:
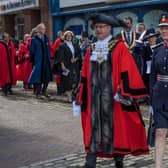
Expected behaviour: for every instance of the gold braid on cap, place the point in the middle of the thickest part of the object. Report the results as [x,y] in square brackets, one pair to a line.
[133,42]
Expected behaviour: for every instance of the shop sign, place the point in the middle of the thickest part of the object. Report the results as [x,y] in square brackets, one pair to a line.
[15,5]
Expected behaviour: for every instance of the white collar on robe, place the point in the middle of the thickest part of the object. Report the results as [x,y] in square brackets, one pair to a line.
[101,46]
[71,47]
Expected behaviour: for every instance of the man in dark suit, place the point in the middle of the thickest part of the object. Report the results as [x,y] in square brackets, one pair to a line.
[129,37]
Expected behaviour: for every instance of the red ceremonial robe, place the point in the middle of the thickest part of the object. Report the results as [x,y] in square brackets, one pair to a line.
[21,60]
[5,66]
[12,55]
[129,132]
[27,64]
[57,44]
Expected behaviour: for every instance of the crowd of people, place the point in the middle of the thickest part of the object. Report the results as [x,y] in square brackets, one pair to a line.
[112,73]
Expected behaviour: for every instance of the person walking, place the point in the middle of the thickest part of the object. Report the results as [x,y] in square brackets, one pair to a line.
[40,57]
[11,54]
[56,44]
[69,55]
[112,126]
[159,91]
[129,37]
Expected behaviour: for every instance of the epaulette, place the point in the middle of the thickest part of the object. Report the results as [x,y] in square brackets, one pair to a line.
[157,45]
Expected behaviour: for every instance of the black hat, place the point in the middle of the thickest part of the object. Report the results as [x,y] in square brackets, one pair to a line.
[150,33]
[110,20]
[163,21]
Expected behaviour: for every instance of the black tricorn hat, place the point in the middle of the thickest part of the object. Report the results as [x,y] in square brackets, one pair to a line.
[110,20]
[150,33]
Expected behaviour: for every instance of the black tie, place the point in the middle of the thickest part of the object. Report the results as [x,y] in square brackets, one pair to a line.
[129,38]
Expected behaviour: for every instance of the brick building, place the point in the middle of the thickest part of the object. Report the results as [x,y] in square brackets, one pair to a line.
[18,17]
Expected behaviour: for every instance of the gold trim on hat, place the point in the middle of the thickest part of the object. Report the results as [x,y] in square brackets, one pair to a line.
[163,18]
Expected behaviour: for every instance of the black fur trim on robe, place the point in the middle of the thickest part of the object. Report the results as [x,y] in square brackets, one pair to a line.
[84,94]
[102,107]
[127,89]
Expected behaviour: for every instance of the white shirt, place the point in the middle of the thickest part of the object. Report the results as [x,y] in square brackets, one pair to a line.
[71,47]
[130,35]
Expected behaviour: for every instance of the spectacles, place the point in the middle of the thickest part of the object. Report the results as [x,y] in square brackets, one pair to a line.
[100,26]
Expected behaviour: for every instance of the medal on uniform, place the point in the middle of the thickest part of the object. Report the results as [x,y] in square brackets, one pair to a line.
[100,57]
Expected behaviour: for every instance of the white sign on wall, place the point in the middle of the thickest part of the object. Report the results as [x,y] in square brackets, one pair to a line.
[16,5]
[70,3]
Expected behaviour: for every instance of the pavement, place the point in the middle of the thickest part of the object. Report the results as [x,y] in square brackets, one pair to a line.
[44,134]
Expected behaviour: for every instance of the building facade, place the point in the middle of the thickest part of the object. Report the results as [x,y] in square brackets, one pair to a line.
[73,14]
[18,17]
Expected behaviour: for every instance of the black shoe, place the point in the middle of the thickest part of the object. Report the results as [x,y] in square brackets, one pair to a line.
[119,160]
[119,164]
[59,91]
[90,161]
[4,91]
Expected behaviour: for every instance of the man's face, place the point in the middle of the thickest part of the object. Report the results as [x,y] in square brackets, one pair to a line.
[102,30]
[6,39]
[141,29]
[164,32]
[43,30]
[152,40]
[129,24]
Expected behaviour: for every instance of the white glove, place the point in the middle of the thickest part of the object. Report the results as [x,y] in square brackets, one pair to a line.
[76,109]
[150,109]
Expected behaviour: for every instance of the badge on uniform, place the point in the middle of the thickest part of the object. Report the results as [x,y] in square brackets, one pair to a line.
[100,57]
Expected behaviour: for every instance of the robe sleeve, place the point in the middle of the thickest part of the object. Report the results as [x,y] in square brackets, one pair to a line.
[131,81]
[60,52]
[82,97]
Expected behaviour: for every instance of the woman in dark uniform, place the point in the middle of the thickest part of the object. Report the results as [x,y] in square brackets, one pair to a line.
[159,91]
[70,58]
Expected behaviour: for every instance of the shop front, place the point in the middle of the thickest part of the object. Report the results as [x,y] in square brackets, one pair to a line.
[20,16]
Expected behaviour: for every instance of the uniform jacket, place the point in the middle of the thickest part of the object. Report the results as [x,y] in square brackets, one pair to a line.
[158,89]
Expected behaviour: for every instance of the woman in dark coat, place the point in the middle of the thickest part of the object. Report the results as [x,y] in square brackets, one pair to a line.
[159,91]
[40,57]
[70,58]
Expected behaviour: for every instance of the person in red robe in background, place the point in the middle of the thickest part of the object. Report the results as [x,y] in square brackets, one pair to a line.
[109,91]
[12,57]
[52,53]
[56,44]
[27,65]
[21,60]
[5,68]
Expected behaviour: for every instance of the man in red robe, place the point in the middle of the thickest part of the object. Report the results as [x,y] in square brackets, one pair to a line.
[11,68]
[110,88]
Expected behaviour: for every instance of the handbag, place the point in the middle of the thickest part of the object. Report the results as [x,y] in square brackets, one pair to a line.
[151,132]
